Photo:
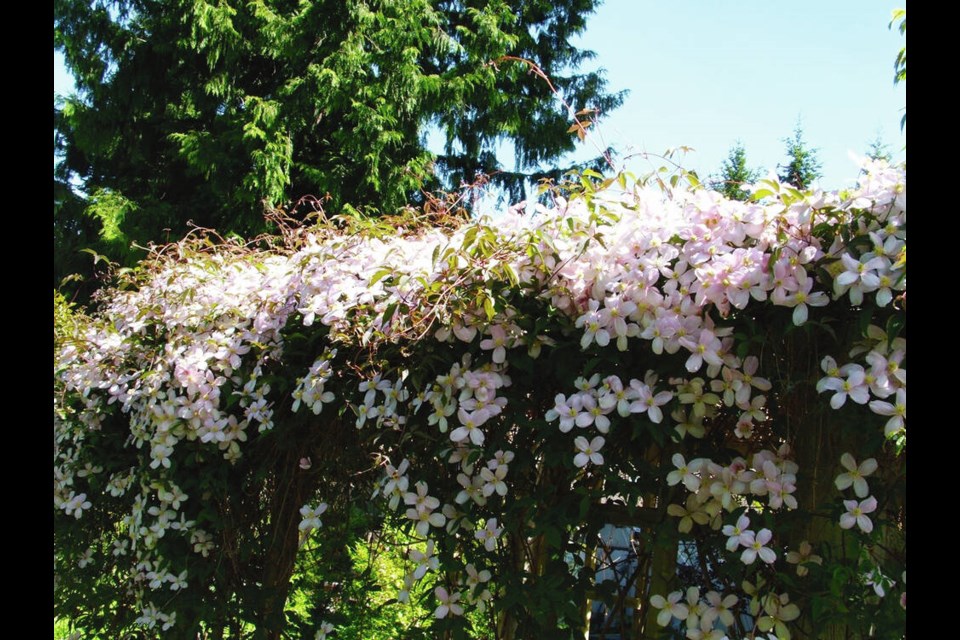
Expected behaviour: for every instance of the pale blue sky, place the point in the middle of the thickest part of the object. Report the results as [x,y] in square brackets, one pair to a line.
[706,73]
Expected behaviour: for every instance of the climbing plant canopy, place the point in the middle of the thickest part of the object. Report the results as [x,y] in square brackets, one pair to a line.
[715,372]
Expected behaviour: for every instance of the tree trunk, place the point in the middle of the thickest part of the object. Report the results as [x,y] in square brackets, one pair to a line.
[291,489]
[817,447]
[663,570]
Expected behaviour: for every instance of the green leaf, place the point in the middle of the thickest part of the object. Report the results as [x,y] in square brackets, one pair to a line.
[488,308]
[379,274]
[585,502]
[511,274]
[552,536]
[895,324]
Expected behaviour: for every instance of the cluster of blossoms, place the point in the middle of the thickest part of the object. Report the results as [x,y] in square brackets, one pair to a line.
[150,618]
[472,591]
[384,412]
[711,616]
[310,388]
[596,401]
[477,487]
[186,357]
[855,476]
[704,618]
[737,488]
[471,395]
[882,269]
[164,367]
[884,378]
[159,577]
[714,489]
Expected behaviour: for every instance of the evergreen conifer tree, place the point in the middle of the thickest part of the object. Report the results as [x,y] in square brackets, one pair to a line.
[803,166]
[734,173]
[213,112]
[879,150]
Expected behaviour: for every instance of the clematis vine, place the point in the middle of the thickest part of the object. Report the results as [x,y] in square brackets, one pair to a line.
[496,387]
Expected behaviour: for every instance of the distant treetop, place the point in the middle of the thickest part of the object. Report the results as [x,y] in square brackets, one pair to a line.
[734,173]
[803,166]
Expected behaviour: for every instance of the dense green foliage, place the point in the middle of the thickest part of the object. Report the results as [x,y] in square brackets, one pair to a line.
[215,112]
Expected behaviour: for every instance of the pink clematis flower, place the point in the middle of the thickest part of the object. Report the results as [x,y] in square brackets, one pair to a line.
[804,556]
[425,560]
[593,413]
[448,603]
[684,472]
[489,534]
[720,608]
[498,341]
[859,277]
[595,329]
[750,381]
[706,348]
[854,386]
[670,608]
[857,514]
[647,401]
[471,426]
[778,610]
[493,481]
[756,546]
[855,474]
[802,298]
[566,410]
[896,411]
[615,314]
[735,533]
[589,451]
